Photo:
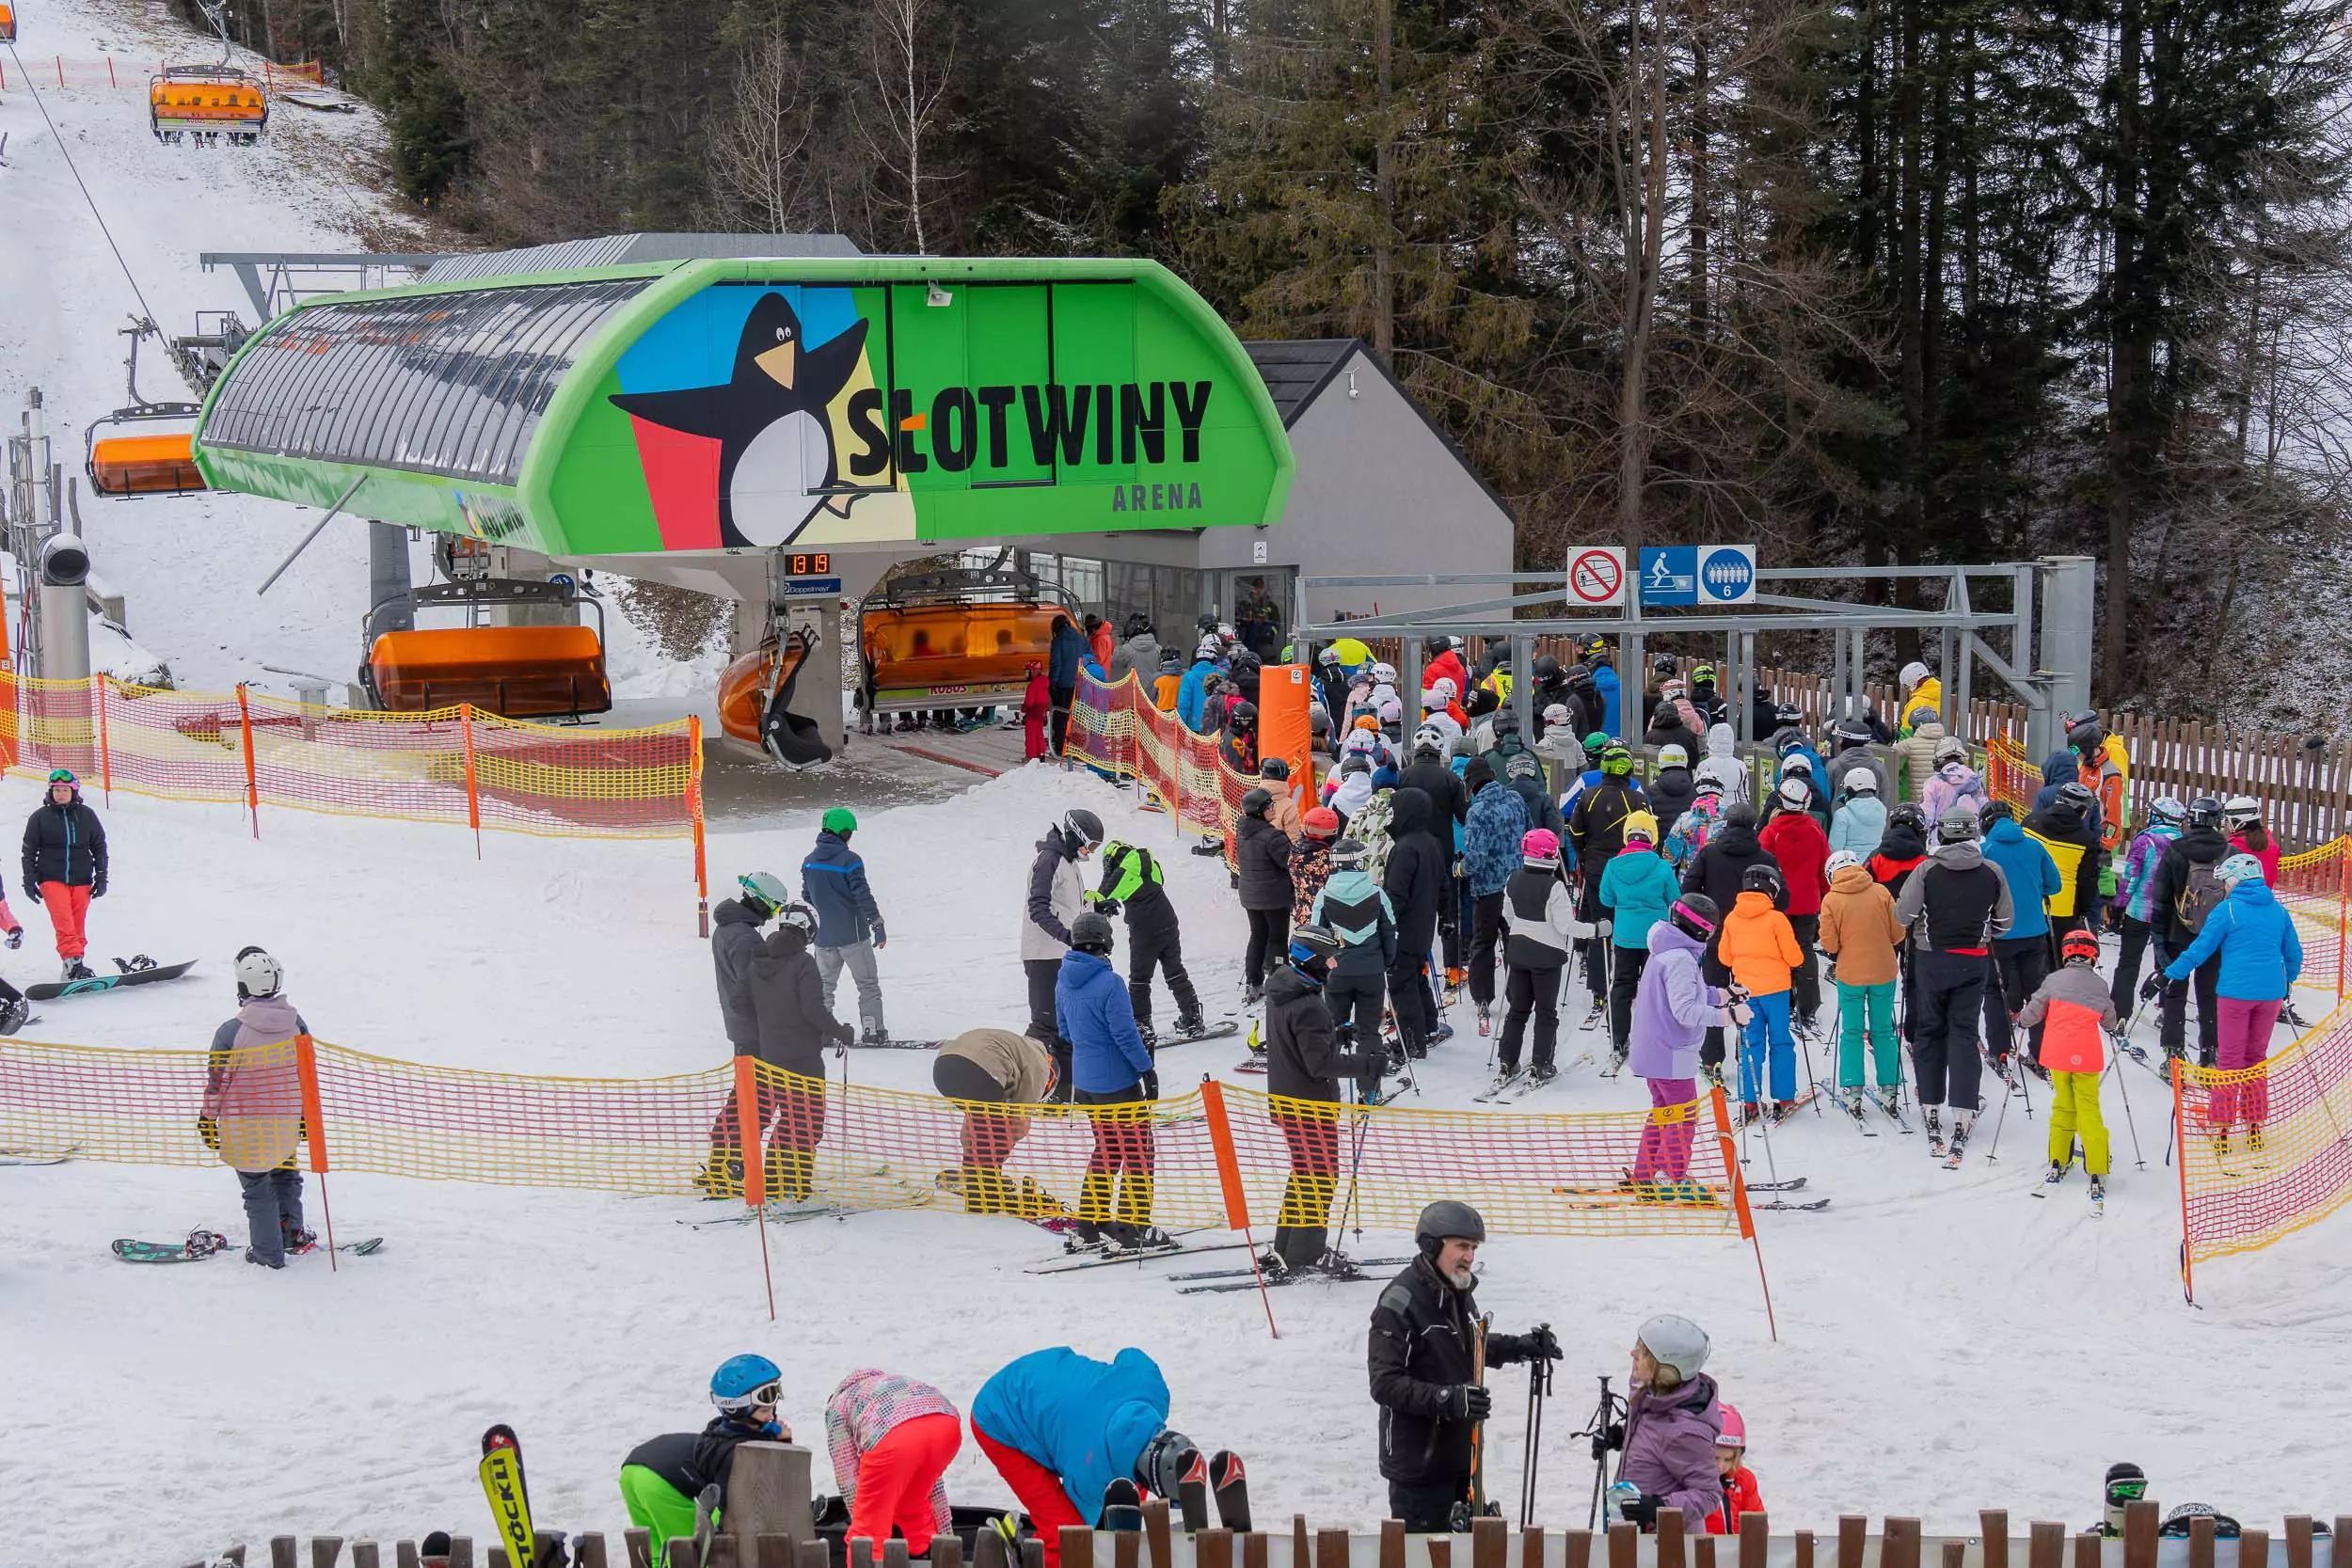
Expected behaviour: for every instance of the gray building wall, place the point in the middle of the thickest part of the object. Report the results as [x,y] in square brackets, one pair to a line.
[1378,491]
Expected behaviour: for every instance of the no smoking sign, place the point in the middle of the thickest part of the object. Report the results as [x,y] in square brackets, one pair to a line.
[1596,575]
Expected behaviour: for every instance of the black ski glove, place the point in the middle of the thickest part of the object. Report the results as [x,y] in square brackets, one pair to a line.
[98,888]
[1542,1344]
[32,891]
[1608,1437]
[1643,1512]
[2152,986]
[1467,1401]
[1152,1084]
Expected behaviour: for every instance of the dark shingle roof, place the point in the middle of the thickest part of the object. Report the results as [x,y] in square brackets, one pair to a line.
[1295,370]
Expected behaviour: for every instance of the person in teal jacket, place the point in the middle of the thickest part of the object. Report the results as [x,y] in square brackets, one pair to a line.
[2260,956]
[1060,1427]
[1637,888]
[2020,961]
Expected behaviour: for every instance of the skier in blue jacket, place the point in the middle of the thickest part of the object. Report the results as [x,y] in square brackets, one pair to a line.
[1111,1071]
[2018,962]
[2260,956]
[1192,692]
[1061,1427]
[848,921]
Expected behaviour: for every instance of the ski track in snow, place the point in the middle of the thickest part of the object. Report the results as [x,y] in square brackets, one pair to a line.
[1947,1342]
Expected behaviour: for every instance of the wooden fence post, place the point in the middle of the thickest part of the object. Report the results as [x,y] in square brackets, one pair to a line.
[768,1494]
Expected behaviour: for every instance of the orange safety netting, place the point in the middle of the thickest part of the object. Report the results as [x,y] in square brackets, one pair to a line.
[1168,1161]
[2009,774]
[2263,1150]
[1119,730]
[2312,885]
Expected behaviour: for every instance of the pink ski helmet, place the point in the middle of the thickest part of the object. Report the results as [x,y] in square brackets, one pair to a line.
[1735,1432]
[1540,844]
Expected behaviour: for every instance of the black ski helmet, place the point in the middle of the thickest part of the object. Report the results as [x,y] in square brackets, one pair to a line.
[1506,723]
[1313,948]
[1257,802]
[1349,851]
[1995,810]
[2204,812]
[1909,813]
[1245,714]
[1275,768]
[1696,917]
[1092,932]
[1762,878]
[1081,828]
[1546,669]
[1444,1220]
[1958,826]
[1164,1462]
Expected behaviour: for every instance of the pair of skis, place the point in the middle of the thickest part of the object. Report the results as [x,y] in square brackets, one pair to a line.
[1225,1281]
[2056,1176]
[1221,1476]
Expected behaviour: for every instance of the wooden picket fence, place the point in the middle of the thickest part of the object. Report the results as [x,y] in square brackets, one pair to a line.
[1490,1543]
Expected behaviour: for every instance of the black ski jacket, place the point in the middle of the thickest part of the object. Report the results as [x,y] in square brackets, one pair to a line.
[65,843]
[1416,877]
[788,1001]
[1262,858]
[1422,1346]
[1448,795]
[1303,1056]
[690,1460]
[734,943]
[2197,847]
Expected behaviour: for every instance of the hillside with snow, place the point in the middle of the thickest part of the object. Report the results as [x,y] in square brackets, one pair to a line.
[1948,1339]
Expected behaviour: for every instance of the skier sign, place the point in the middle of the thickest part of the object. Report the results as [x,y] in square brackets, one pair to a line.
[1596,575]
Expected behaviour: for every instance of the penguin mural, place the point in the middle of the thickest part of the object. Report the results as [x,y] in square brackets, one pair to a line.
[776,463]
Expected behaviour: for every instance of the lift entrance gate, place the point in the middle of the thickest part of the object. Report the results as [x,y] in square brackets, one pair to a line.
[2040,646]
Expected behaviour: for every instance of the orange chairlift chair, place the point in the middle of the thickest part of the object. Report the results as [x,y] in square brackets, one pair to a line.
[137,463]
[8,23]
[207,102]
[520,672]
[957,639]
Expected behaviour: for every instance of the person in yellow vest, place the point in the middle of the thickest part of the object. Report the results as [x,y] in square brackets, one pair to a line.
[2108,770]
[1923,698]
[2065,829]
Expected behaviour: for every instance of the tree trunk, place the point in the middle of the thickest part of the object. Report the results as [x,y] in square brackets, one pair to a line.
[1633,395]
[2131,349]
[1384,188]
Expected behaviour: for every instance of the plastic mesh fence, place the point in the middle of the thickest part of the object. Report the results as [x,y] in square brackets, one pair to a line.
[2009,774]
[2267,1149]
[1119,730]
[441,767]
[2312,887]
[862,1147]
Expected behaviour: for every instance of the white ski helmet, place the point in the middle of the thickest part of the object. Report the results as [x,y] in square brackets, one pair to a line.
[1912,674]
[1429,737]
[1441,693]
[1840,859]
[258,973]
[1671,755]
[1676,1342]
[1861,781]
[2239,810]
[1384,674]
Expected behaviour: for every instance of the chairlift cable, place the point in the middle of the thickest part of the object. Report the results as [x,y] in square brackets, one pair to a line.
[146,310]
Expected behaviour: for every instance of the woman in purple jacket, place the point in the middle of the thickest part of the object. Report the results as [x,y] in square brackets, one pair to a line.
[1670,1430]
[1673,1009]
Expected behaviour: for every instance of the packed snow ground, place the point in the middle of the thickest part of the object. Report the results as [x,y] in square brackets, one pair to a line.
[1947,1341]
[187,564]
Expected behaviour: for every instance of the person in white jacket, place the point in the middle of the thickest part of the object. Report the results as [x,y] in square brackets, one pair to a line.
[1055,896]
[1724,766]
[1540,928]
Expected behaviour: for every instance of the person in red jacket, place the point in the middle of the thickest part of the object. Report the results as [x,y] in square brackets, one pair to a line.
[1439,659]
[1794,838]
[1035,704]
[1740,1493]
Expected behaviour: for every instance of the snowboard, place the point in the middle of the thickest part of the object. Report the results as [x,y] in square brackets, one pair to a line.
[202,1244]
[48,990]
[501,1472]
[1224,1030]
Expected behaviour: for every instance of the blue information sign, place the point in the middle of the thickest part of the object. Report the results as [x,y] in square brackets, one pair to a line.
[1670,575]
[1675,574]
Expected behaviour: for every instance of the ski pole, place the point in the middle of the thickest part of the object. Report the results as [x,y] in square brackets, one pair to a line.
[2115,1066]
[1992,1154]
[1598,1433]
[1538,1390]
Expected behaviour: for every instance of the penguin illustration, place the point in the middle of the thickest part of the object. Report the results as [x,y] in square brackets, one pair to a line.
[776,462]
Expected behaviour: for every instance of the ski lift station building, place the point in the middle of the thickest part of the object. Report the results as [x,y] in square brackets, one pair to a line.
[704,411]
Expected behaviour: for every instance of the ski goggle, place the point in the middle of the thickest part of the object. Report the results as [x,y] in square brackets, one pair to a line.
[766,1393]
[62,776]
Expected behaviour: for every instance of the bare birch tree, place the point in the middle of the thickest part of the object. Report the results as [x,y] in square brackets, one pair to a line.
[901,111]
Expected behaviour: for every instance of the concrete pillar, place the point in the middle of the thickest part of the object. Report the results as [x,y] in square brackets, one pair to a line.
[2069,596]
[64,569]
[391,601]
[1523,685]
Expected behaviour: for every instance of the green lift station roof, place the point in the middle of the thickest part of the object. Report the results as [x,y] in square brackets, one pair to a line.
[701,406]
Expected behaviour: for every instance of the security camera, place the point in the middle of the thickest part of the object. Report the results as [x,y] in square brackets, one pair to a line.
[937,297]
[64,562]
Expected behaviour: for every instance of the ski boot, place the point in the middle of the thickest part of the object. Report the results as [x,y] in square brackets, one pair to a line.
[2254,1139]
[2294,1019]
[1273,1266]
[1191,1025]
[1147,1034]
[1124,1239]
[1598,1016]
[1486,1019]
[1335,1264]
[2056,1174]
[253,1256]
[1891,1099]
[15,1016]
[77,970]
[1713,1073]
[1935,1131]
[1542,1073]
[1252,995]
[2098,1194]
[722,1176]
[1962,1121]
[299,1241]
[874,1034]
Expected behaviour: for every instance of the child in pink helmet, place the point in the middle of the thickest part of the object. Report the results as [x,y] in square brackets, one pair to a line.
[1539,923]
[1740,1493]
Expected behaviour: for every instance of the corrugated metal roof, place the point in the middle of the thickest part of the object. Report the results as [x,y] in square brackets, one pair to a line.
[1295,368]
[613,250]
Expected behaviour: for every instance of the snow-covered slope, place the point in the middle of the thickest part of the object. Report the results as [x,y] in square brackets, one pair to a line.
[187,564]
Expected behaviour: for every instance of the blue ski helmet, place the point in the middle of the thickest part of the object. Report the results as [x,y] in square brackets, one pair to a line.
[743,1382]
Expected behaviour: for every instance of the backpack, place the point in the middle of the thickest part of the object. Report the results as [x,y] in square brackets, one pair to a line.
[2200,897]
[1369,827]
[1693,828]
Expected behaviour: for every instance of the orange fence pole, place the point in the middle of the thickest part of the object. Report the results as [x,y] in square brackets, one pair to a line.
[747,1137]
[1730,1151]
[252,785]
[473,795]
[694,809]
[314,1127]
[1228,1178]
[106,763]
[2180,1148]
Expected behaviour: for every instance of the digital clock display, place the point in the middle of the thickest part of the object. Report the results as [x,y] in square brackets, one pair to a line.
[807,565]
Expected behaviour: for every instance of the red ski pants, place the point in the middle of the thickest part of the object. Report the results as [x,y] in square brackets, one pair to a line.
[895,1478]
[1038,1490]
[69,909]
